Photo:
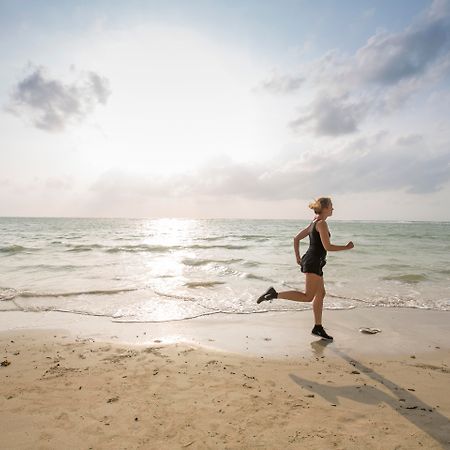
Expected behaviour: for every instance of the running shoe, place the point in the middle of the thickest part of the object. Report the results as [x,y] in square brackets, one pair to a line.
[269,295]
[320,332]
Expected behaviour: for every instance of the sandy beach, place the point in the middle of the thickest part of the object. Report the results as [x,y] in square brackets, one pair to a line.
[62,388]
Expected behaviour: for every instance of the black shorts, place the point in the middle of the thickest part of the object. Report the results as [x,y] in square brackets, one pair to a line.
[312,264]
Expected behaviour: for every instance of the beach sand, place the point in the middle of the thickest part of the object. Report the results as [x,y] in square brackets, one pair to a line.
[229,382]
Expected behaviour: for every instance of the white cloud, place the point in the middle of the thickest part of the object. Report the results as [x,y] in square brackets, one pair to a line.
[388,58]
[279,84]
[59,183]
[378,79]
[379,163]
[332,115]
[51,104]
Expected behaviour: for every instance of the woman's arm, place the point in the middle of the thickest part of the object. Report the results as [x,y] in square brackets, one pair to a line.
[322,228]
[301,235]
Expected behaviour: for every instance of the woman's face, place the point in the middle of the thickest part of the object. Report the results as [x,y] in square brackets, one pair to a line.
[329,209]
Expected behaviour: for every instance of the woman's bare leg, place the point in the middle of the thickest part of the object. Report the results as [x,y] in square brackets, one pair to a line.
[318,303]
[313,283]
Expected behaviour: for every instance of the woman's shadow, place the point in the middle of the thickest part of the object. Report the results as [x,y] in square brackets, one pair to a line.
[401,400]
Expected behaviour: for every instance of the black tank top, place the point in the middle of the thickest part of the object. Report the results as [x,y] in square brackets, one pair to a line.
[316,247]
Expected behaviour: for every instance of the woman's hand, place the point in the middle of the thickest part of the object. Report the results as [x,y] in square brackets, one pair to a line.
[349,246]
[299,260]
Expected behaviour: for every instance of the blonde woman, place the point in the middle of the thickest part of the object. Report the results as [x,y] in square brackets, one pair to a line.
[312,263]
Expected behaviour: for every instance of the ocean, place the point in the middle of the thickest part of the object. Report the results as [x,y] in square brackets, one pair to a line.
[145,270]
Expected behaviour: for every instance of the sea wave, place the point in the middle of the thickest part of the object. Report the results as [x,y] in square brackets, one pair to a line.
[223,246]
[121,248]
[227,270]
[245,237]
[203,262]
[252,276]
[412,236]
[175,296]
[167,248]
[10,293]
[251,263]
[352,298]
[84,247]
[135,248]
[7,294]
[54,267]
[13,249]
[197,284]
[390,266]
[255,237]
[133,319]
[211,238]
[169,315]
[141,248]
[410,278]
[46,308]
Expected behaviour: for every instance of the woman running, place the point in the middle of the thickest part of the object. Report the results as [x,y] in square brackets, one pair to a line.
[312,263]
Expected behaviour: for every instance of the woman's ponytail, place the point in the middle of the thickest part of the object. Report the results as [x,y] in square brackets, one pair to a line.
[319,204]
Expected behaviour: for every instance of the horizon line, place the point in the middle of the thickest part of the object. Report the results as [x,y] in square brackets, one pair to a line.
[220,218]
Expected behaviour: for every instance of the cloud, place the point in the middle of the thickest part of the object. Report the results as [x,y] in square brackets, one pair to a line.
[388,58]
[333,115]
[378,79]
[59,183]
[379,163]
[51,104]
[282,84]
[99,86]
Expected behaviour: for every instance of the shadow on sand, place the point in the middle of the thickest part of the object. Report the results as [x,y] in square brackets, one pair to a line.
[420,414]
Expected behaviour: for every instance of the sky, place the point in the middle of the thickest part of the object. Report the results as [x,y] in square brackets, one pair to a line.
[225,109]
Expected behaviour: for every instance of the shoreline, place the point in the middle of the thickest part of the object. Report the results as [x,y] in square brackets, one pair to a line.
[270,334]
